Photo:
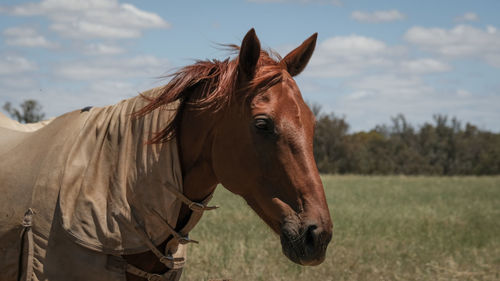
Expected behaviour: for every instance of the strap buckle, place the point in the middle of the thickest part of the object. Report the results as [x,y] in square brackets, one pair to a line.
[186,239]
[166,259]
[198,207]
[28,218]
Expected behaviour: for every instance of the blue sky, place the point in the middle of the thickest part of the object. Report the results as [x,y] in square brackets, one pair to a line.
[374,59]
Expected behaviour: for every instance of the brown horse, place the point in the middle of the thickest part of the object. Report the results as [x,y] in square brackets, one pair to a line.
[244,124]
[85,198]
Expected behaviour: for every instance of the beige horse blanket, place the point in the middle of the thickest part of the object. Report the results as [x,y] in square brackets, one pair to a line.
[76,184]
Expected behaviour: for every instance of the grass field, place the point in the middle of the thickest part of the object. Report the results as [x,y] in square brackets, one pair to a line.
[385,228]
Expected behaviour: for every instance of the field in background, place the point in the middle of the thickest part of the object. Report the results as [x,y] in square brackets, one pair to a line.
[385,228]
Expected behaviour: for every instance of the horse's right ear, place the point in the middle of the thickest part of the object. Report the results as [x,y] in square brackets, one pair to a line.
[249,54]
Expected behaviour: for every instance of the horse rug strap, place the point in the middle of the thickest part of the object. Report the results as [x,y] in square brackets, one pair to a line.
[175,251]
[182,236]
[28,237]
[171,275]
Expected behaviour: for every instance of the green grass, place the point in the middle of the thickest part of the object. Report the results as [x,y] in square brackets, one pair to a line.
[385,228]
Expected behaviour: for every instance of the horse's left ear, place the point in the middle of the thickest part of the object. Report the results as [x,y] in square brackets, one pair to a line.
[297,59]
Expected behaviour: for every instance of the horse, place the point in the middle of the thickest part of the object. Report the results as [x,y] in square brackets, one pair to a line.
[111,193]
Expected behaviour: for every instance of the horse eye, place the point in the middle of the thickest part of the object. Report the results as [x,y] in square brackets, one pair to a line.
[264,124]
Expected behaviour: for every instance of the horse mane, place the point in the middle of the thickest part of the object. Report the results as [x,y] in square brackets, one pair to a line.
[210,85]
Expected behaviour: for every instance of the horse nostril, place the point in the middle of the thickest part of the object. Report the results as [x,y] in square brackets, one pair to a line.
[310,237]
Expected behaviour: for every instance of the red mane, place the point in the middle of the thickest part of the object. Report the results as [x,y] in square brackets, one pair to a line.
[210,85]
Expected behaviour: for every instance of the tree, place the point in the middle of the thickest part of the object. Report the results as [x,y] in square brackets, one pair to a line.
[329,143]
[31,111]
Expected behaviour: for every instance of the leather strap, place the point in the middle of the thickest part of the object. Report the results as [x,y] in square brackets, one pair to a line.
[194,218]
[179,237]
[28,233]
[149,276]
[194,206]
[168,261]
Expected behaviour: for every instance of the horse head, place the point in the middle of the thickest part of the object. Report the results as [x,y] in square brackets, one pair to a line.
[263,150]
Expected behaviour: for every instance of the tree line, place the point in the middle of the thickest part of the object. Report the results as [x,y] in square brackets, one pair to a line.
[442,147]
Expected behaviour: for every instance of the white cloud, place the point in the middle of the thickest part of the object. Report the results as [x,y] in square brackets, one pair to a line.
[390,86]
[491,29]
[102,49]
[112,68]
[15,64]
[37,41]
[467,17]
[87,29]
[378,16]
[359,95]
[463,93]
[354,44]
[345,56]
[19,31]
[462,41]
[93,18]
[333,2]
[424,66]
[16,82]
[26,37]
[110,87]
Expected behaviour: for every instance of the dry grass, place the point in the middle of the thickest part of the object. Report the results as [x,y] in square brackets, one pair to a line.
[385,228]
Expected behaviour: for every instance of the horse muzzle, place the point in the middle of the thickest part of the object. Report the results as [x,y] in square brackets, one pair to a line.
[305,245]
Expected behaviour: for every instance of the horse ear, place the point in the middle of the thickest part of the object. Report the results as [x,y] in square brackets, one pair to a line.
[249,54]
[297,59]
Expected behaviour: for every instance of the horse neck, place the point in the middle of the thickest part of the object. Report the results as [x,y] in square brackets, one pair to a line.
[195,138]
